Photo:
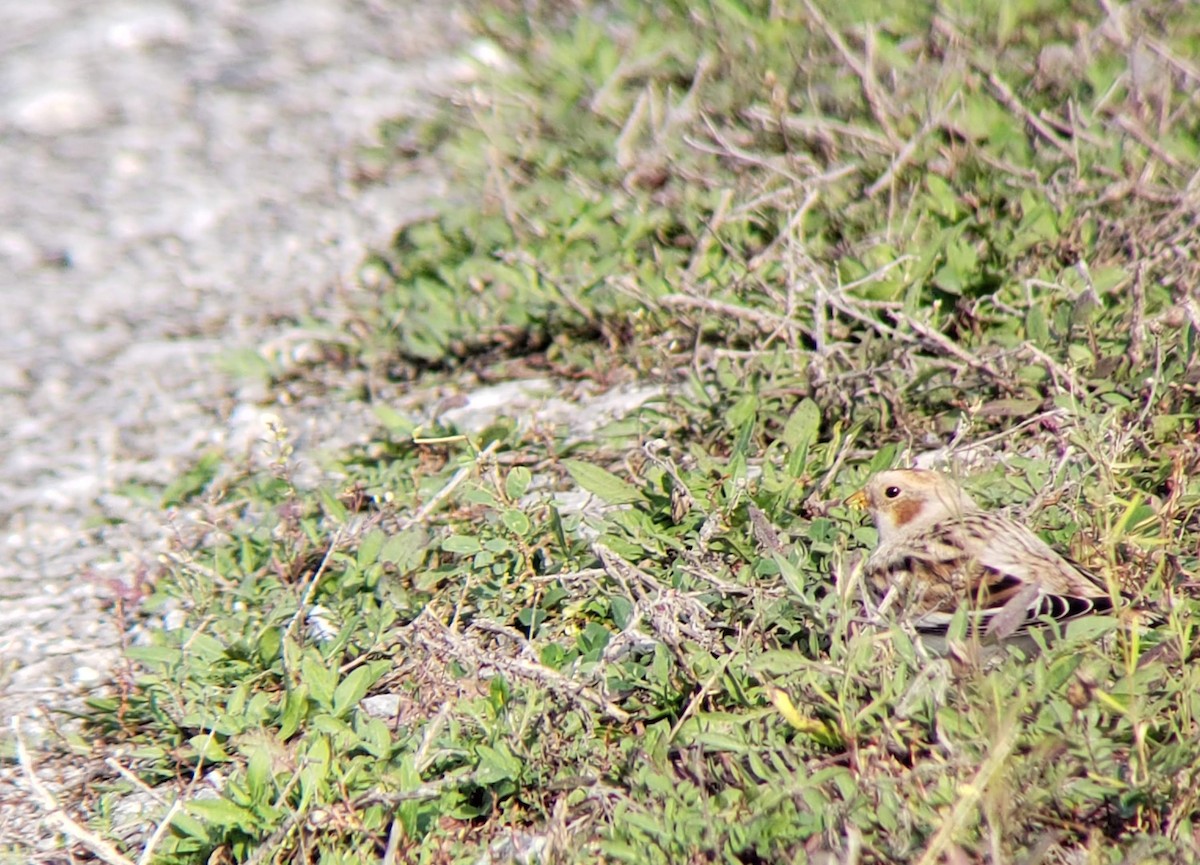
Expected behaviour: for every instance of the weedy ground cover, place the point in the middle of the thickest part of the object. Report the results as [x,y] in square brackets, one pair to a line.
[838,237]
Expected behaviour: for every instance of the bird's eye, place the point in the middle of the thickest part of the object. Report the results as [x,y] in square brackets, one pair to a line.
[892,492]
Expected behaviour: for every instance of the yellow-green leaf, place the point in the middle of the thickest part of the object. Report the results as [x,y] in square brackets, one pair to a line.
[603,483]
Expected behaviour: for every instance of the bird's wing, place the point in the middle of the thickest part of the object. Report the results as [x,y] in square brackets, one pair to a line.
[1007,578]
[1009,547]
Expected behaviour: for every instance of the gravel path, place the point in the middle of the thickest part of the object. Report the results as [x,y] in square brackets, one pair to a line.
[175,177]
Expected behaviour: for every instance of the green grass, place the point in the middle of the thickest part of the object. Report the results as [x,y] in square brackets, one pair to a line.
[840,236]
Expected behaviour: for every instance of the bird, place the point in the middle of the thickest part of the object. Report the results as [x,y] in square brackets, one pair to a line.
[939,552]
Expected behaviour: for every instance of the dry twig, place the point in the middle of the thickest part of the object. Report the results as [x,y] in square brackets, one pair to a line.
[941,342]
[1010,101]
[878,103]
[765,320]
[468,650]
[1063,377]
[901,159]
[55,815]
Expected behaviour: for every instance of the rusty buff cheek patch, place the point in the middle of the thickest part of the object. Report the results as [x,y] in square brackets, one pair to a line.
[906,511]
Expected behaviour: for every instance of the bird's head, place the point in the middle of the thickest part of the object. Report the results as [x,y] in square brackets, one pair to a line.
[901,501]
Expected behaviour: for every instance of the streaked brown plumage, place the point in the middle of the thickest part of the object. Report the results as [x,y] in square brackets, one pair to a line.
[938,551]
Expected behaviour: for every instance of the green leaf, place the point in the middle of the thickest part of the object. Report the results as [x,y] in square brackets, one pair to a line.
[1089,629]
[194,481]
[531,618]
[1061,670]
[369,547]
[405,550]
[792,575]
[353,688]
[205,649]
[339,731]
[189,825]
[154,656]
[1036,327]
[258,776]
[314,771]
[884,458]
[321,680]
[602,483]
[295,710]
[464,545]
[495,764]
[410,811]
[223,813]
[961,267]
[942,197]
[516,522]
[742,411]
[375,737]
[209,749]
[399,425]
[621,610]
[270,645]
[236,704]
[333,506]
[517,482]
[802,426]
[778,662]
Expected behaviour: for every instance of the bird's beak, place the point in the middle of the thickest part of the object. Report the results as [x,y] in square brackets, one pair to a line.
[858,500]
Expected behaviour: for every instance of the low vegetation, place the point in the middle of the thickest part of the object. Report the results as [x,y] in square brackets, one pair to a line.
[826,239]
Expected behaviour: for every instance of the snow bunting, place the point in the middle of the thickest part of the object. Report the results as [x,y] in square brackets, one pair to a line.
[938,551]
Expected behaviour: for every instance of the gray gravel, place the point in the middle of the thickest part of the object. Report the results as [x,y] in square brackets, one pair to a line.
[175,179]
